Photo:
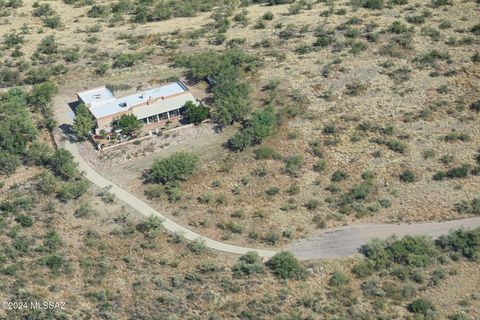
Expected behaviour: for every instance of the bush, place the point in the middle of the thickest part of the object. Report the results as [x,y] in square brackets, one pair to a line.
[338,176]
[151,226]
[9,162]
[72,190]
[293,164]
[260,126]
[465,242]
[197,246]
[339,279]
[285,266]
[421,306]
[266,152]
[320,165]
[407,176]
[248,264]
[176,167]
[417,251]
[125,60]
[475,106]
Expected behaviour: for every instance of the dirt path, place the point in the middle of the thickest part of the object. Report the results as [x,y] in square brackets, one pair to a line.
[345,241]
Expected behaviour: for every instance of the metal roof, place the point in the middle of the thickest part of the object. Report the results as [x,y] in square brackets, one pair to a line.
[103,103]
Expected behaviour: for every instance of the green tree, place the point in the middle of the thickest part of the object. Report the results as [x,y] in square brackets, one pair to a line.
[83,122]
[16,127]
[173,168]
[62,164]
[129,124]
[196,113]
[42,94]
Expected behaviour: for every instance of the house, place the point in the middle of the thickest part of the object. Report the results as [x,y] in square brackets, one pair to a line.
[150,106]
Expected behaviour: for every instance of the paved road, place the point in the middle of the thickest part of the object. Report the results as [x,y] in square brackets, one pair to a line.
[345,241]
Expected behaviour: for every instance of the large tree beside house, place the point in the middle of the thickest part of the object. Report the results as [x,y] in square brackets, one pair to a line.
[83,122]
[196,113]
[129,124]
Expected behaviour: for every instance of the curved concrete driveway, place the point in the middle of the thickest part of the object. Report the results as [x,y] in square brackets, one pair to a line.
[331,243]
[147,210]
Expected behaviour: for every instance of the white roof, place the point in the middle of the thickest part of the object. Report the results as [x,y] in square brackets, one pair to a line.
[96,96]
[103,102]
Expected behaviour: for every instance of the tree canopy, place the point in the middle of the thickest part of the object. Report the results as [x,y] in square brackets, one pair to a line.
[83,122]
[129,124]
[196,113]
[16,127]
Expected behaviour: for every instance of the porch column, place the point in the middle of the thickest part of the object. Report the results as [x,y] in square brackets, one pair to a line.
[168,114]
[158,118]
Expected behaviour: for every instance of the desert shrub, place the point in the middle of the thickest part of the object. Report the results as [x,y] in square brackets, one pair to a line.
[72,189]
[197,246]
[248,264]
[285,266]
[320,165]
[176,167]
[266,152]
[368,4]
[97,11]
[398,27]
[47,183]
[475,106]
[453,173]
[407,176]
[258,127]
[84,210]
[126,59]
[457,136]
[38,154]
[465,242]
[293,164]
[432,56]
[151,226]
[312,204]
[268,15]
[441,3]
[154,191]
[47,46]
[417,251]
[421,306]
[338,175]
[9,162]
[339,279]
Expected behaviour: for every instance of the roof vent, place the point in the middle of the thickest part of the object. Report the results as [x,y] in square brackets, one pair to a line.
[123,104]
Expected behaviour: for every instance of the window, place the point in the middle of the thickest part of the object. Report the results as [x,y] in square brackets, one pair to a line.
[164,116]
[174,113]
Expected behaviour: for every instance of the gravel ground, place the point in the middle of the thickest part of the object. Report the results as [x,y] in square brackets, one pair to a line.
[122,154]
